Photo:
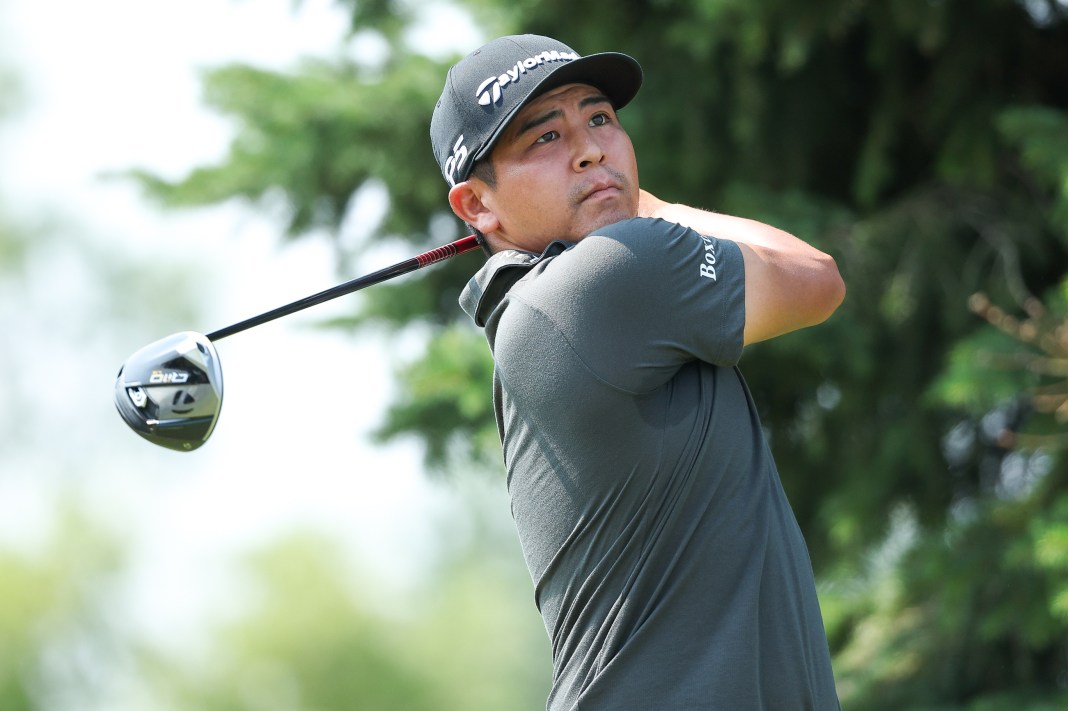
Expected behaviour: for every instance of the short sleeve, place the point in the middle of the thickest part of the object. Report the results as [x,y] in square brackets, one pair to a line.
[640,298]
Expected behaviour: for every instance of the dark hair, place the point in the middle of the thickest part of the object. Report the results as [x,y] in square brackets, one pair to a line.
[483,170]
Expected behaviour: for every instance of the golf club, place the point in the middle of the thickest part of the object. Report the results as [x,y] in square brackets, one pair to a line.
[170,392]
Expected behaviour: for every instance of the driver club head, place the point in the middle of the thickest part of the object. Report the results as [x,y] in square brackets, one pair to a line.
[170,392]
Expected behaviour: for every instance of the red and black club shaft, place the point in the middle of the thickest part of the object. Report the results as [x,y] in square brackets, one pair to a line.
[464,244]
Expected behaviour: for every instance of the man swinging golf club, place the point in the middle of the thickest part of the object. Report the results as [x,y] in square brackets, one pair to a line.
[667,563]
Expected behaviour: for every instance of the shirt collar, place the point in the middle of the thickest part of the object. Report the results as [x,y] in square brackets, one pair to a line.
[501,271]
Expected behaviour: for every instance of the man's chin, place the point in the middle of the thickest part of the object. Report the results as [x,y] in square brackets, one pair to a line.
[604,217]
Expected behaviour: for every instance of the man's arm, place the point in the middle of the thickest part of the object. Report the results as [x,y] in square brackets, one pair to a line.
[789,284]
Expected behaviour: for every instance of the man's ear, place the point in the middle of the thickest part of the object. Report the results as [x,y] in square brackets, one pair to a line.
[466,201]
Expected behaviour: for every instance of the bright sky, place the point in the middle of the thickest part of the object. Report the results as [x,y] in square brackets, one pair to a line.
[113,84]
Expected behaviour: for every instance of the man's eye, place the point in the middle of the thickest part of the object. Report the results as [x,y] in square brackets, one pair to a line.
[546,137]
[599,119]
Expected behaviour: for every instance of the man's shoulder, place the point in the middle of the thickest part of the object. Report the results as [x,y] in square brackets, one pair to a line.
[636,243]
[644,236]
[636,228]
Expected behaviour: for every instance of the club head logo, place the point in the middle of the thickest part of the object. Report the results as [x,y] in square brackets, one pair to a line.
[183,402]
[168,377]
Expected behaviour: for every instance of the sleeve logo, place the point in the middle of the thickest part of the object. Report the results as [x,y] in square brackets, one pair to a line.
[708,268]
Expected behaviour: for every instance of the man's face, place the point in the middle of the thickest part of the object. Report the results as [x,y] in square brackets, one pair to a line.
[565,167]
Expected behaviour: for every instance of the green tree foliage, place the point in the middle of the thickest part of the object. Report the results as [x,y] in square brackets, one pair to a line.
[923,144]
[310,138]
[54,618]
[318,634]
[440,401]
[304,640]
[311,630]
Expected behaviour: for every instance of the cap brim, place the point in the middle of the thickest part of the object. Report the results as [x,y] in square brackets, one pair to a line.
[618,75]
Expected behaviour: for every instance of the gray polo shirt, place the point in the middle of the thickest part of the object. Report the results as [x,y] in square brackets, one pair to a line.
[667,564]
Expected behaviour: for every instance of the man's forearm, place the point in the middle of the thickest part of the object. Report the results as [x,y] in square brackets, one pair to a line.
[735,229]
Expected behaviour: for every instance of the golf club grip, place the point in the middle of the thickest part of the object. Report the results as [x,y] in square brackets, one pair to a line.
[464,244]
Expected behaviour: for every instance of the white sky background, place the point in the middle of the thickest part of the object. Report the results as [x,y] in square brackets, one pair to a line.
[111,85]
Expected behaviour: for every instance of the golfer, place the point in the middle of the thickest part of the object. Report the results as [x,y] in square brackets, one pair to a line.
[667,563]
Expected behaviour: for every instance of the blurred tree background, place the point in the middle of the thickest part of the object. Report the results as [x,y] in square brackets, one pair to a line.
[308,623]
[920,433]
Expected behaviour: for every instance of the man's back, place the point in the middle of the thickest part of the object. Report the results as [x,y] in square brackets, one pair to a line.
[667,564]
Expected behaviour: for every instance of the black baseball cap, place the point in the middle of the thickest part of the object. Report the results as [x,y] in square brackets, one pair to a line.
[487,88]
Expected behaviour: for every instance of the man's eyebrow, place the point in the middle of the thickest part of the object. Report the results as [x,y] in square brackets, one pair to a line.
[593,100]
[537,120]
[540,119]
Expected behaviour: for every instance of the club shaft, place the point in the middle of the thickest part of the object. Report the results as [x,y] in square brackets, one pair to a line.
[464,244]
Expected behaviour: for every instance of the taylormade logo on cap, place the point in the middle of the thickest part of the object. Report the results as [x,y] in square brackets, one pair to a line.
[490,91]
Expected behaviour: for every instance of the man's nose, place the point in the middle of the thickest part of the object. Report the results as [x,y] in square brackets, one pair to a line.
[587,151]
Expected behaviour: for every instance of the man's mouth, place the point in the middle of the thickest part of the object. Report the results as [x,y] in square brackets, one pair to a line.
[600,190]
